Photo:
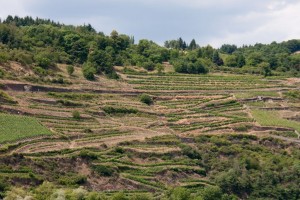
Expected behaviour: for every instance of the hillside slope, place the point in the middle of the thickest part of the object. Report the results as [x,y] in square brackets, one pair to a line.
[202,134]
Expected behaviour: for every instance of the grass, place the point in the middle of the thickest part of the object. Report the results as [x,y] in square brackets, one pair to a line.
[14,127]
[272,118]
[293,95]
[252,94]
[5,98]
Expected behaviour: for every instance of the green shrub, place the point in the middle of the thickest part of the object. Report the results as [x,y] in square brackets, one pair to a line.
[119,196]
[113,75]
[6,98]
[293,94]
[145,98]
[22,57]
[88,72]
[3,187]
[142,197]
[40,71]
[60,80]
[119,150]
[76,114]
[68,103]
[120,110]
[160,68]
[72,179]
[148,65]
[3,57]
[252,163]
[1,73]
[88,130]
[70,69]
[242,127]
[178,193]
[190,152]
[44,60]
[211,193]
[88,155]
[103,170]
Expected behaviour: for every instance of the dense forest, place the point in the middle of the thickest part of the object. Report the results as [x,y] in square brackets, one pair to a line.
[42,43]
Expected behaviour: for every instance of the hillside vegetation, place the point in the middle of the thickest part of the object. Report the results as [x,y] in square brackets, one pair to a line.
[89,116]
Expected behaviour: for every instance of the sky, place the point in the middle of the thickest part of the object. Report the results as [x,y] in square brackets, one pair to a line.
[213,22]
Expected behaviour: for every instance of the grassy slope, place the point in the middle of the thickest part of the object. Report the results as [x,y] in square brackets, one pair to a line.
[13,127]
[158,162]
[272,118]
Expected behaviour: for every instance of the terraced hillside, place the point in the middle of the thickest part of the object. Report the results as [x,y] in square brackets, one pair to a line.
[105,139]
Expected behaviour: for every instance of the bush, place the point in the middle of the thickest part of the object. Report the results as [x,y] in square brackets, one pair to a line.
[242,127]
[3,187]
[148,65]
[119,150]
[293,94]
[6,98]
[197,67]
[160,68]
[211,193]
[1,73]
[178,193]
[40,71]
[145,98]
[22,57]
[103,170]
[68,103]
[113,75]
[3,57]
[119,196]
[60,80]
[44,60]
[76,114]
[72,179]
[88,72]
[114,110]
[88,155]
[70,69]
[190,152]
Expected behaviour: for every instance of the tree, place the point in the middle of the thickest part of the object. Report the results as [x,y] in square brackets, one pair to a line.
[180,43]
[193,45]
[228,48]
[101,61]
[254,58]
[217,59]
[160,68]
[211,193]
[266,69]
[207,52]
[292,45]
[44,191]
[44,60]
[149,65]
[178,193]
[240,60]
[88,72]
[76,47]
[201,68]
[231,61]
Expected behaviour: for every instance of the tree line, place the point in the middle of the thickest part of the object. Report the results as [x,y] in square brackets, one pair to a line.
[41,44]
